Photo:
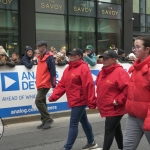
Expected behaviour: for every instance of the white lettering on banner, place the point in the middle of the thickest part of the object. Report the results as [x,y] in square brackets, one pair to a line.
[20,93]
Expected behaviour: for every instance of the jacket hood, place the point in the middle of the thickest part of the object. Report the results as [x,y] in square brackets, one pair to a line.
[106,71]
[138,65]
[76,64]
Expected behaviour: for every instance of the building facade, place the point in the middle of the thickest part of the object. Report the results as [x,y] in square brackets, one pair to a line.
[69,23]
[141,15]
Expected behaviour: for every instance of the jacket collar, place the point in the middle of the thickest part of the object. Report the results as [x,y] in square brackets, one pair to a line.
[143,66]
[76,64]
[106,71]
[44,56]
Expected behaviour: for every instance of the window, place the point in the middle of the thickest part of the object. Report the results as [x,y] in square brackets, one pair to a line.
[135,6]
[109,32]
[9,34]
[51,28]
[81,32]
[142,6]
[147,6]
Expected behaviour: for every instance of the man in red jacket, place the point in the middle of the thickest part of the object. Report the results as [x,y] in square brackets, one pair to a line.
[45,79]
[78,85]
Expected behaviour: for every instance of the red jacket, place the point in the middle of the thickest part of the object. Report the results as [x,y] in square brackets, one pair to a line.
[46,72]
[138,101]
[112,84]
[78,85]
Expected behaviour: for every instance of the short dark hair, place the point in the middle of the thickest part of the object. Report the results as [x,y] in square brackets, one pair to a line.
[145,39]
[15,53]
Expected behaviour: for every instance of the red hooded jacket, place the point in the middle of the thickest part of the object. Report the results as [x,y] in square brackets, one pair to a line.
[138,101]
[112,84]
[78,84]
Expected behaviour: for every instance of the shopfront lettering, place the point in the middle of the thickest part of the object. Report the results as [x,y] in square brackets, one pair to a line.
[109,12]
[82,9]
[51,6]
[5,2]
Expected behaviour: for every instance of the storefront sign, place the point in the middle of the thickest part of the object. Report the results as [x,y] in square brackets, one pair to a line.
[109,11]
[9,4]
[51,6]
[82,8]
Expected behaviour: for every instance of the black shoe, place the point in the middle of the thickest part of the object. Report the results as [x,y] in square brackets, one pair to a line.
[48,124]
[89,146]
[40,126]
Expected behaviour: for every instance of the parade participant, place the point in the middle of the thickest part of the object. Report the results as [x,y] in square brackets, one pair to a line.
[78,85]
[138,101]
[112,85]
[45,79]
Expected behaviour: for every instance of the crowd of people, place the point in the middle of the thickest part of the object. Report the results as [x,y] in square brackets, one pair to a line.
[116,92]
[30,57]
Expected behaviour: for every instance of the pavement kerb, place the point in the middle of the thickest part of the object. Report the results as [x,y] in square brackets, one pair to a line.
[30,118]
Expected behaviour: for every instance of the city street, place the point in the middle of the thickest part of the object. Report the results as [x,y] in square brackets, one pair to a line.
[25,136]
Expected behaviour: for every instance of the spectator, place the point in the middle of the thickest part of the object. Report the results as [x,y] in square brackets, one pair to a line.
[63,51]
[131,58]
[89,56]
[112,47]
[45,79]
[112,88]
[53,51]
[99,59]
[59,60]
[28,60]
[4,59]
[121,56]
[15,58]
[36,54]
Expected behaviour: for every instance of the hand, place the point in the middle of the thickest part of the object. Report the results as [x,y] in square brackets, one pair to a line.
[84,54]
[34,58]
[115,103]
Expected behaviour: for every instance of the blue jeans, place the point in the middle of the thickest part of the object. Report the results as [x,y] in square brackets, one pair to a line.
[78,114]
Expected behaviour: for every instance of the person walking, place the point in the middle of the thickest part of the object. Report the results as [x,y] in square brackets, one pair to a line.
[138,101]
[45,79]
[78,85]
[112,85]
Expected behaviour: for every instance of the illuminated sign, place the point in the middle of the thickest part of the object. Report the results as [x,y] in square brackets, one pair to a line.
[5,2]
[82,8]
[109,11]
[51,6]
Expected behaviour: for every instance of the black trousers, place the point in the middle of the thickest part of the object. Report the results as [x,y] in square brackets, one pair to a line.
[113,129]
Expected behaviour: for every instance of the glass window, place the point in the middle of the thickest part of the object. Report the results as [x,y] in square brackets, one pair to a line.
[136,22]
[51,6]
[142,29]
[148,20]
[111,1]
[9,30]
[51,28]
[81,32]
[82,8]
[109,11]
[109,32]
[142,20]
[147,6]
[9,4]
[142,6]
[136,6]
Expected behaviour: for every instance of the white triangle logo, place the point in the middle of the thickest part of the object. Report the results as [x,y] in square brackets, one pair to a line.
[8,82]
